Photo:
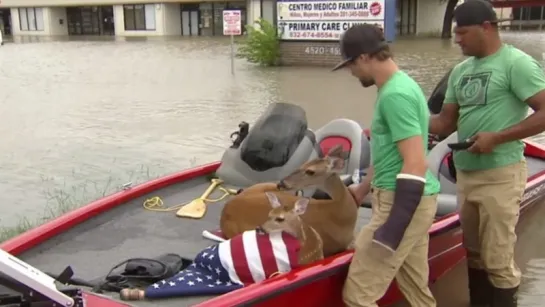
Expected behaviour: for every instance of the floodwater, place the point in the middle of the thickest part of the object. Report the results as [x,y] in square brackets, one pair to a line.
[81,118]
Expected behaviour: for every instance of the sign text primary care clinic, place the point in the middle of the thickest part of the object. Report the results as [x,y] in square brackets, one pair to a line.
[325,20]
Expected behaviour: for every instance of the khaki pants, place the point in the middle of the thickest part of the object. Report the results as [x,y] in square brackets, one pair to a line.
[489,212]
[370,274]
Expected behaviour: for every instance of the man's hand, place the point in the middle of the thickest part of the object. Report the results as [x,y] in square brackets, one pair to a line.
[359,191]
[484,142]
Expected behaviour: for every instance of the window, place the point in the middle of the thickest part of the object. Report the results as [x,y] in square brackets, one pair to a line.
[31,19]
[139,17]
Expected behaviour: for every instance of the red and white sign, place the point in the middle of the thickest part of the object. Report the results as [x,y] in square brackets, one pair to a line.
[375,9]
[232,22]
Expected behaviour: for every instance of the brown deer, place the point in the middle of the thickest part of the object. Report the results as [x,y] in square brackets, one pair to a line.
[334,219]
[287,218]
[280,218]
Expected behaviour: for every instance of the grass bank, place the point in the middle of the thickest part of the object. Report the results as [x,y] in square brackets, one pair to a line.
[69,196]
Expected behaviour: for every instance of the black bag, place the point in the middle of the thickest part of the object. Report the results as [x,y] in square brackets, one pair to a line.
[141,272]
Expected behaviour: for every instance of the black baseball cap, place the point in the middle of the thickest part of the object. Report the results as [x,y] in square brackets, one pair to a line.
[360,39]
[475,13]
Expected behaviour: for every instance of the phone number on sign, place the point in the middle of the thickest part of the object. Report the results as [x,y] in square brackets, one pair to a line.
[314,35]
[353,14]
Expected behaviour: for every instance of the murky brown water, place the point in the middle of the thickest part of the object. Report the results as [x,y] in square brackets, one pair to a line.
[80,118]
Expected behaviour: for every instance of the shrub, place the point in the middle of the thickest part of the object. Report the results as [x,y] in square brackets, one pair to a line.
[262,44]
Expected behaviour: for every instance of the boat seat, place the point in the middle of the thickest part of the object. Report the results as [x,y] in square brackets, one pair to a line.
[350,135]
[438,166]
[447,200]
[356,147]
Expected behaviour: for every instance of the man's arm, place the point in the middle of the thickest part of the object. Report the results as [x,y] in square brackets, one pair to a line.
[446,121]
[528,84]
[406,130]
[405,127]
[414,159]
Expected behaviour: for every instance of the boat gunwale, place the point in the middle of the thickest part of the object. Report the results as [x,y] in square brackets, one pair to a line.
[302,276]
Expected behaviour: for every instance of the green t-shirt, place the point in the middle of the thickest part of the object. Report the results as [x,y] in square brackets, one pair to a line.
[401,112]
[491,93]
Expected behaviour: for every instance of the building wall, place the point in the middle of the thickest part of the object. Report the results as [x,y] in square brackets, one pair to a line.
[253,11]
[57,20]
[31,3]
[429,17]
[310,53]
[53,20]
[172,18]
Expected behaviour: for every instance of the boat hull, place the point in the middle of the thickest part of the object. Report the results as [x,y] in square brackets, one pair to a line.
[320,284]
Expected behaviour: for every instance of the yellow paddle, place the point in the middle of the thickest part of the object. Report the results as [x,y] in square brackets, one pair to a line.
[197,208]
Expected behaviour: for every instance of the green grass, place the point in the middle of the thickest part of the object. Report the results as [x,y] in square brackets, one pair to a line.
[67,197]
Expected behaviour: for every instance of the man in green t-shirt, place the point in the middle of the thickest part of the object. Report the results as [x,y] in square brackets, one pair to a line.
[404,193]
[487,101]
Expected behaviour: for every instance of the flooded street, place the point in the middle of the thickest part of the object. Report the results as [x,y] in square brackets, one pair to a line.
[81,118]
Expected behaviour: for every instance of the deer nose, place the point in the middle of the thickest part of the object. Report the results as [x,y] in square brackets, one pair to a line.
[281,185]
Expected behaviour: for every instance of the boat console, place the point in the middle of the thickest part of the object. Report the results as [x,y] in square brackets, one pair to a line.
[28,286]
[277,144]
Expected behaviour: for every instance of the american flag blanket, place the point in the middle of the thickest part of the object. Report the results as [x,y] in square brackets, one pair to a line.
[232,264]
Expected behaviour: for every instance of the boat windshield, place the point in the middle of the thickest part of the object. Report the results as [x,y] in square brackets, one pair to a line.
[274,137]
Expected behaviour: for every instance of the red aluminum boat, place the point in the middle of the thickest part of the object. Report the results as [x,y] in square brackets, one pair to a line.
[95,237]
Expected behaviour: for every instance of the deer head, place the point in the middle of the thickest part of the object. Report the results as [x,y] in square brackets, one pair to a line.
[315,172]
[283,217]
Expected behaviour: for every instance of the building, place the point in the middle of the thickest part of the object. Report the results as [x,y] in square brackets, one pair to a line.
[172,18]
[523,18]
[124,17]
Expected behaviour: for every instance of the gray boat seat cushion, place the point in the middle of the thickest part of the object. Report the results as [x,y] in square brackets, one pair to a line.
[447,200]
[236,173]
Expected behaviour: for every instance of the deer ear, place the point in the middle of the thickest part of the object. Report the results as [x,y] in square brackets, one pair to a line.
[273,200]
[336,151]
[335,164]
[301,206]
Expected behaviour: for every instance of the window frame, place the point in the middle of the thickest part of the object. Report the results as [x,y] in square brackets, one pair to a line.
[38,26]
[131,9]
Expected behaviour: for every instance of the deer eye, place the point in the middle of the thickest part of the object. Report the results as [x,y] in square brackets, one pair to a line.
[279,219]
[310,172]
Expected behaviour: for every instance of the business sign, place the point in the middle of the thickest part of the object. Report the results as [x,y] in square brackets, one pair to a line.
[325,20]
[232,22]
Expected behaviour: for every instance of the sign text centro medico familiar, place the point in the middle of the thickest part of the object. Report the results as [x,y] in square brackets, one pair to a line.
[325,20]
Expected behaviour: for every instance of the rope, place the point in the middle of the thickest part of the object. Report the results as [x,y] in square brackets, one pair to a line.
[156,203]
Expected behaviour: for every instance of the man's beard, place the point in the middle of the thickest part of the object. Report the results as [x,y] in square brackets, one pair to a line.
[367,82]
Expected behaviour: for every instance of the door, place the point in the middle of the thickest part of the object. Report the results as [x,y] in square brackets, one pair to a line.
[107,18]
[5,21]
[194,23]
[186,28]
